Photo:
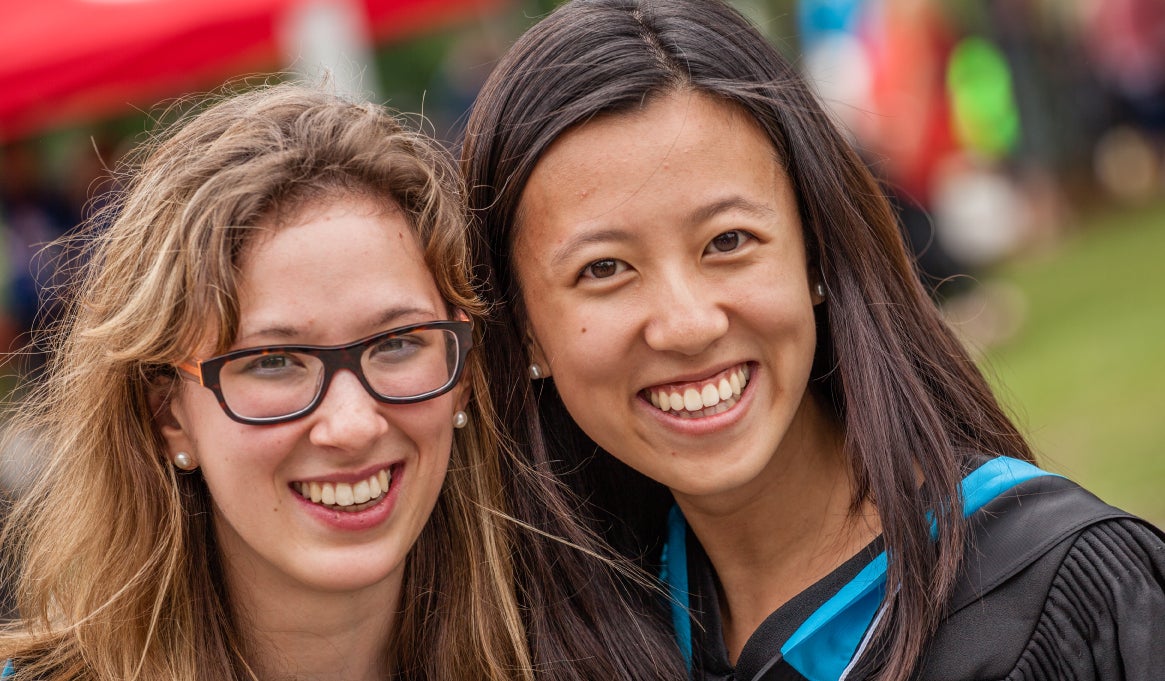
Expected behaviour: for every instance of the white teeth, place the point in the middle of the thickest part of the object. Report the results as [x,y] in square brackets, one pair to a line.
[709,411]
[710,395]
[361,492]
[711,398]
[343,493]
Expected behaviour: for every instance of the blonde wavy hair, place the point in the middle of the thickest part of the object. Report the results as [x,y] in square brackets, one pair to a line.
[119,577]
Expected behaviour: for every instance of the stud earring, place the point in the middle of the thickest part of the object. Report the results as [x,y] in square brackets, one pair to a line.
[819,289]
[535,371]
[460,419]
[184,461]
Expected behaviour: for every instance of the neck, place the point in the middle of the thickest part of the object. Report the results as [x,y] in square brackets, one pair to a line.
[310,635]
[793,526]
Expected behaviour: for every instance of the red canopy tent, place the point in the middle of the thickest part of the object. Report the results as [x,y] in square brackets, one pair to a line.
[67,60]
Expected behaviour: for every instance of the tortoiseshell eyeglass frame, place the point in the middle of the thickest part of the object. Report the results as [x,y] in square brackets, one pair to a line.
[334,357]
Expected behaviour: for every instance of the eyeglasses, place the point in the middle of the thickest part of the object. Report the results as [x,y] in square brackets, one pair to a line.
[279,383]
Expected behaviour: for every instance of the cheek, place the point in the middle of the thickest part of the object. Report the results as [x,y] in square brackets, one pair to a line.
[235,461]
[432,442]
[789,317]
[582,339]
[201,420]
[791,333]
[427,425]
[777,297]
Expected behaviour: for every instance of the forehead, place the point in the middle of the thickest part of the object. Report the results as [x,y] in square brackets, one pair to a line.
[331,271]
[676,153]
[309,202]
[297,222]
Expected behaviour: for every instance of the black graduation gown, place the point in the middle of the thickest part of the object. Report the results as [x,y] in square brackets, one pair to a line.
[1055,585]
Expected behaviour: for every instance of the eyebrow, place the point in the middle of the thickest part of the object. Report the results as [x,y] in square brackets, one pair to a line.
[701,214]
[387,318]
[601,236]
[728,204]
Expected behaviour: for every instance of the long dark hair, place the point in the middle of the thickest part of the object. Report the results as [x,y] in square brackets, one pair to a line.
[910,399]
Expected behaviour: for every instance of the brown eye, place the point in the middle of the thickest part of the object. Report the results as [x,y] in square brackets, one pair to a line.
[273,361]
[601,269]
[727,242]
[271,365]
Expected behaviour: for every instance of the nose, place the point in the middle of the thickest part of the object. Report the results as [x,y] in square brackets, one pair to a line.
[348,418]
[687,316]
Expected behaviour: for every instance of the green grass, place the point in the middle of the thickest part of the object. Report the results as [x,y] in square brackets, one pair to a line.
[1085,374]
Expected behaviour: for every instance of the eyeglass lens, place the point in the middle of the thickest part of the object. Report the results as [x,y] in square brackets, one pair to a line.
[278,383]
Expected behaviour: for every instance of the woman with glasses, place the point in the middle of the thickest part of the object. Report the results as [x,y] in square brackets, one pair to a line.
[267,449]
[732,360]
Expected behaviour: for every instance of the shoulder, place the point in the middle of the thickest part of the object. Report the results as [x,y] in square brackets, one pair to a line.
[1031,522]
[1052,579]
[1104,615]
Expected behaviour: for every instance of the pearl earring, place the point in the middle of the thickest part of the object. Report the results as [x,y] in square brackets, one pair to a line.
[460,419]
[819,289]
[184,461]
[535,371]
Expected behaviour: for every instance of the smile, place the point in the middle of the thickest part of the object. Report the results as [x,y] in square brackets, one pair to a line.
[703,398]
[345,496]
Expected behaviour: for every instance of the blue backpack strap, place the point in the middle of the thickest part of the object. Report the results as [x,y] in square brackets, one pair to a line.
[8,671]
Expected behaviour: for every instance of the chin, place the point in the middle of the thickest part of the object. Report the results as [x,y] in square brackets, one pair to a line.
[340,581]
[349,574]
[710,486]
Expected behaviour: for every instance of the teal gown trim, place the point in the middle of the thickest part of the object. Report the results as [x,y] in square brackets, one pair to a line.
[829,640]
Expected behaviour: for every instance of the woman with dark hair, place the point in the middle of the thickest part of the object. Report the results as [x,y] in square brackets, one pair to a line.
[733,362]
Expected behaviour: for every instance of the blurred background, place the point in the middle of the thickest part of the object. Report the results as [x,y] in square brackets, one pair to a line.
[1023,142]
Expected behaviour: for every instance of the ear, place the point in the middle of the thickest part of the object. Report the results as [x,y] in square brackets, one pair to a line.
[166,405]
[463,390]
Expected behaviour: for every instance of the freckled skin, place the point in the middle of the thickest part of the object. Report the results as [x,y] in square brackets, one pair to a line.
[329,274]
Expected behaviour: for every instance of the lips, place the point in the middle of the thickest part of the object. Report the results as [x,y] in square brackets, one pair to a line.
[346,496]
[701,398]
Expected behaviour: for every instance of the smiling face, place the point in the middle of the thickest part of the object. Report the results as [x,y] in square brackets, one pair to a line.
[338,271]
[663,269]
